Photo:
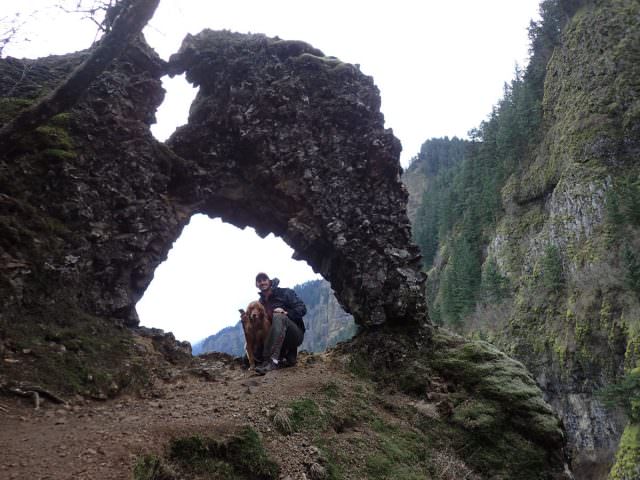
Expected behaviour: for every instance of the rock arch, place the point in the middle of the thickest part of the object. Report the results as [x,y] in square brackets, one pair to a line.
[292,142]
[280,137]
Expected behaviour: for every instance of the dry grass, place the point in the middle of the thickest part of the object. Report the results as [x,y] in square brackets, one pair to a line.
[448,466]
[282,421]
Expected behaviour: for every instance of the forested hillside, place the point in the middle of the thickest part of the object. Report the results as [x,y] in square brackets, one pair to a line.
[530,230]
[326,322]
[463,202]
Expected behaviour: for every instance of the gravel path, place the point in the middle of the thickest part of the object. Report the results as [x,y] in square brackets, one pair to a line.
[87,439]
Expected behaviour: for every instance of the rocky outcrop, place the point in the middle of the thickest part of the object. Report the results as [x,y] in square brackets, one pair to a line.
[293,143]
[280,138]
[487,404]
[84,221]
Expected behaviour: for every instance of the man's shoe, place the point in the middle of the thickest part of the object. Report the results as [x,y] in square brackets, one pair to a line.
[292,358]
[266,367]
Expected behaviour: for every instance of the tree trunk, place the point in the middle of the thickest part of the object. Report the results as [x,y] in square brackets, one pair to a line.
[127,26]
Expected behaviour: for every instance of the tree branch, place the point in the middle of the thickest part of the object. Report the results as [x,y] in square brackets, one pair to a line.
[133,17]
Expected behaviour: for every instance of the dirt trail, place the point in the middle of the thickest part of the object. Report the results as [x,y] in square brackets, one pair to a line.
[101,440]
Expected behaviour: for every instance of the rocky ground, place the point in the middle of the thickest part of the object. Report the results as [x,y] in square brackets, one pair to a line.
[375,408]
[89,439]
[85,439]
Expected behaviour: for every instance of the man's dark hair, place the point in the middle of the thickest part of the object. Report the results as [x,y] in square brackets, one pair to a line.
[262,276]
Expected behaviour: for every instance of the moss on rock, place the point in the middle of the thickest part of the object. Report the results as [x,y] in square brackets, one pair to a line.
[489,404]
[627,465]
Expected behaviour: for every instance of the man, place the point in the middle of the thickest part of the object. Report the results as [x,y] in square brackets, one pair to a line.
[287,328]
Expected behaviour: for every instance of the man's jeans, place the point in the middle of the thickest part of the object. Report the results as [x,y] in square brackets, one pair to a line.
[284,337]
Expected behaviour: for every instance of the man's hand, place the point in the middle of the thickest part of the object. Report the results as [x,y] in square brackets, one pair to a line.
[279,310]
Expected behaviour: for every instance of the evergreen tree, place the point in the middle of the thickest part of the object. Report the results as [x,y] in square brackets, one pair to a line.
[614,216]
[495,287]
[460,283]
[436,214]
[632,264]
[552,271]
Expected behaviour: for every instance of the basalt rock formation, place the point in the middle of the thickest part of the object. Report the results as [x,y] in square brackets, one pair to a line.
[280,138]
[292,142]
[85,218]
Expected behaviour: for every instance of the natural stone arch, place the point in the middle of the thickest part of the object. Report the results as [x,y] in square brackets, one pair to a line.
[289,141]
[280,138]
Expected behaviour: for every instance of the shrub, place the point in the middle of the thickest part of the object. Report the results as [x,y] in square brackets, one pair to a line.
[624,394]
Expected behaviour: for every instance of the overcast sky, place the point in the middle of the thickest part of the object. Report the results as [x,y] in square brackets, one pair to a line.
[440,67]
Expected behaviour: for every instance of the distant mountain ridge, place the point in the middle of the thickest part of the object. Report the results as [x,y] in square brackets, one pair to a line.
[326,321]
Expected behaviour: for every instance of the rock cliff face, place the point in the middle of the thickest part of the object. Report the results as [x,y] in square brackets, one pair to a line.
[581,340]
[415,181]
[580,336]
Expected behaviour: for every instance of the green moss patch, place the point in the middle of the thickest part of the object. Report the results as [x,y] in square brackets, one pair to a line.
[307,414]
[471,399]
[68,351]
[151,467]
[627,465]
[398,453]
[238,456]
[10,107]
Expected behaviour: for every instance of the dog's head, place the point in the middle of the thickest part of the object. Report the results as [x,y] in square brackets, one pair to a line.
[256,312]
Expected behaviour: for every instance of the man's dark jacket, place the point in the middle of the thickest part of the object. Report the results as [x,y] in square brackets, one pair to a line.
[287,299]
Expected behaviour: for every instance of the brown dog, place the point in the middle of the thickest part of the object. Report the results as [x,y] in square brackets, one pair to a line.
[256,324]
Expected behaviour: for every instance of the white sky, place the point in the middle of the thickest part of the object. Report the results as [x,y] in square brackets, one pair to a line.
[440,67]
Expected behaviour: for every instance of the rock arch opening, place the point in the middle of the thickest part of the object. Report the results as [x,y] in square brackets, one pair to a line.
[208,275]
[279,138]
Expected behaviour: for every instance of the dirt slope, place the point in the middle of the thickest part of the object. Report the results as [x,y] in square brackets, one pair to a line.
[326,418]
[101,440]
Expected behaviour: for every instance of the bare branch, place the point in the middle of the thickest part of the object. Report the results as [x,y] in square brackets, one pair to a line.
[9,28]
[128,24]
[101,12]
[95,12]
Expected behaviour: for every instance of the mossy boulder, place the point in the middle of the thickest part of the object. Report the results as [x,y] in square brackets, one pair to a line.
[488,402]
